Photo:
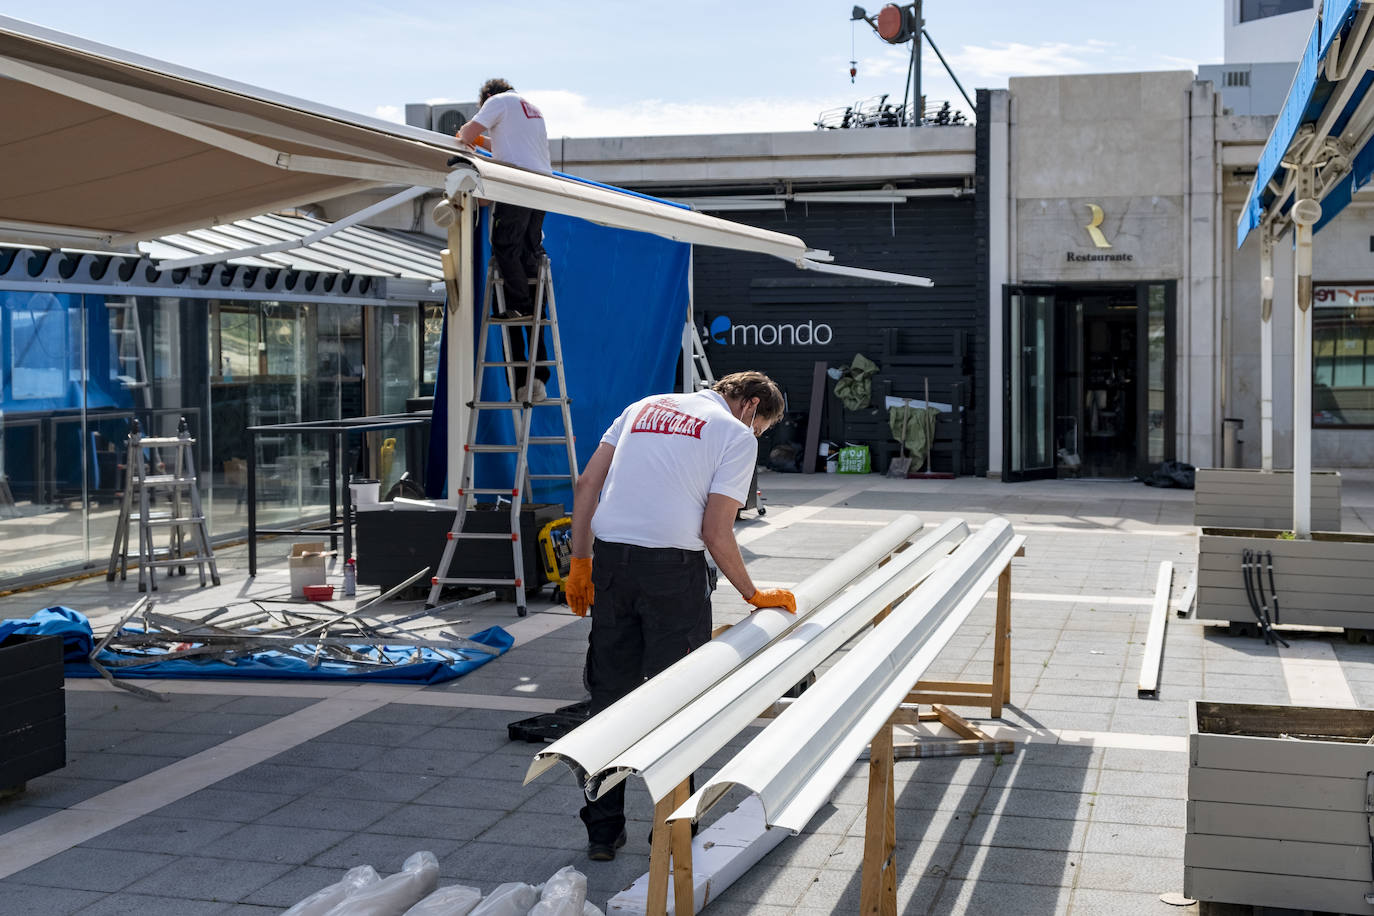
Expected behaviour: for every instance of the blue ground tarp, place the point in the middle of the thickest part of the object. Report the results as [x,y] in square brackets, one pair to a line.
[622,303]
[77,641]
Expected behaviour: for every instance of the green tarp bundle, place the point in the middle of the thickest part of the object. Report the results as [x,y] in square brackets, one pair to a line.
[854,386]
[915,428]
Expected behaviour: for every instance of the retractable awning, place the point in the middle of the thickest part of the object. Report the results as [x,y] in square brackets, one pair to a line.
[1325,121]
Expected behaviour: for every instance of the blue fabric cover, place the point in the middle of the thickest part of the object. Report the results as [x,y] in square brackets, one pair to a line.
[78,641]
[622,301]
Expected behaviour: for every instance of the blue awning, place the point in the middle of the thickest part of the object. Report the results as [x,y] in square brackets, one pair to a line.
[1307,101]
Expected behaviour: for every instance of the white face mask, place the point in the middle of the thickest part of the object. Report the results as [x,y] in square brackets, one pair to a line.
[750,423]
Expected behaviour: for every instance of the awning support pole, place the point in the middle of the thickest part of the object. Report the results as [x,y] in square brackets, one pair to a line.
[1306,212]
[459,353]
[1266,350]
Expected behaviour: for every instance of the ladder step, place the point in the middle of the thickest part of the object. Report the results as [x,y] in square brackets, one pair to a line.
[192,520]
[188,560]
[163,480]
[548,440]
[492,448]
[480,535]
[451,581]
[537,362]
[488,491]
[551,477]
[164,441]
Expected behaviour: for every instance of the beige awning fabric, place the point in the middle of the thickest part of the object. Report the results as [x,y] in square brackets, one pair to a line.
[108,147]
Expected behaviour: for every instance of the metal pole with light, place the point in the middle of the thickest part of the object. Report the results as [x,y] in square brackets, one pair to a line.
[1266,349]
[1306,212]
[455,215]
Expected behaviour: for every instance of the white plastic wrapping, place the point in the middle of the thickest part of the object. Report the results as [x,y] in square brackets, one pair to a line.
[590,909]
[514,899]
[457,900]
[563,894]
[394,895]
[326,898]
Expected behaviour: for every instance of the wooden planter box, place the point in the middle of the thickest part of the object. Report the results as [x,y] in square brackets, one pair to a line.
[1249,498]
[1278,807]
[1327,581]
[33,712]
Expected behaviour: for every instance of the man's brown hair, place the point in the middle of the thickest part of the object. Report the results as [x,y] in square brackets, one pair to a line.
[741,386]
[491,87]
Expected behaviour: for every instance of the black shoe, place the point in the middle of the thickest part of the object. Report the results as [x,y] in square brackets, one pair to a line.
[605,852]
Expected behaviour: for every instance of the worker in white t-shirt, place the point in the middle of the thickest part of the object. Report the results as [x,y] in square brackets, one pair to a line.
[515,131]
[660,491]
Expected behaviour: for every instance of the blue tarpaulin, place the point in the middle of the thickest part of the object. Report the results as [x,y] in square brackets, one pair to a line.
[432,668]
[622,301]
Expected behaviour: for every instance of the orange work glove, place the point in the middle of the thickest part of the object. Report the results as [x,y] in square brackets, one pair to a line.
[578,588]
[774,597]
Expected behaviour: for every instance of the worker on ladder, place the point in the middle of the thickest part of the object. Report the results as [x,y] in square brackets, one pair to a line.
[660,490]
[516,136]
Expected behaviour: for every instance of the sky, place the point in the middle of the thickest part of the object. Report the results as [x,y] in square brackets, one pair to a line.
[616,68]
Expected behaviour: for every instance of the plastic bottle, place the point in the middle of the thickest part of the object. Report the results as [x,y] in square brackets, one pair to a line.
[350,578]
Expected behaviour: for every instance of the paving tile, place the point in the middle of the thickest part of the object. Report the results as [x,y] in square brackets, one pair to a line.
[1045,833]
[88,869]
[329,755]
[294,886]
[964,897]
[384,852]
[465,792]
[50,901]
[1036,803]
[393,787]
[472,740]
[272,777]
[270,843]
[381,734]
[495,863]
[1022,774]
[433,762]
[1139,874]
[145,905]
[439,821]
[265,706]
[107,765]
[837,819]
[1116,758]
[218,723]
[209,879]
[1015,865]
[164,744]
[1136,840]
[154,833]
[241,806]
[1153,812]
[410,714]
[772,885]
[1092,902]
[1153,785]
[329,813]
[830,891]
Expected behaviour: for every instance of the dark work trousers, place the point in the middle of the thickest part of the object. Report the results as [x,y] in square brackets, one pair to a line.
[517,243]
[652,607]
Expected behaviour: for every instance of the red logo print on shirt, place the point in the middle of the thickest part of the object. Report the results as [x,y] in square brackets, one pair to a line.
[530,110]
[661,418]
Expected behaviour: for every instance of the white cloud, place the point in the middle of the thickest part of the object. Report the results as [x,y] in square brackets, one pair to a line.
[390,113]
[980,64]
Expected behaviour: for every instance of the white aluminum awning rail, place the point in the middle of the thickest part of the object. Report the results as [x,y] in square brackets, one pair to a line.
[589,748]
[670,753]
[795,763]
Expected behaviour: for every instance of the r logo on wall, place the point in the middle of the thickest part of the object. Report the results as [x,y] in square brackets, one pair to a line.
[1094,227]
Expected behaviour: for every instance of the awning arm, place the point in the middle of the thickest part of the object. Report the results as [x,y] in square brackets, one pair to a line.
[381,206]
[881,276]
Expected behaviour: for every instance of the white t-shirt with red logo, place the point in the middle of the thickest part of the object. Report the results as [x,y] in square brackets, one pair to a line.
[672,451]
[517,132]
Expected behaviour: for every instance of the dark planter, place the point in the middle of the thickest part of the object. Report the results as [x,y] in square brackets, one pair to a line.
[33,712]
[1325,581]
[1249,498]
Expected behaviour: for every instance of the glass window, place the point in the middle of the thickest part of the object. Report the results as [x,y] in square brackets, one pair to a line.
[1251,10]
[434,330]
[1343,355]
[40,351]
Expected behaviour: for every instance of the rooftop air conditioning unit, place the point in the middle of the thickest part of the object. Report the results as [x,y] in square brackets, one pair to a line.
[446,119]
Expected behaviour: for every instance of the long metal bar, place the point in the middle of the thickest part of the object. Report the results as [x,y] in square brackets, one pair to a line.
[864,273]
[395,200]
[590,747]
[1148,684]
[673,751]
[138,606]
[797,760]
[1302,355]
[1266,348]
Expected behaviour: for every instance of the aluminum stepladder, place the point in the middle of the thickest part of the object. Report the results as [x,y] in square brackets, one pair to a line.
[184,493]
[698,367]
[545,316]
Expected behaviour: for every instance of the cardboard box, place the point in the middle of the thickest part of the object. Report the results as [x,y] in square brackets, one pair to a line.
[307,567]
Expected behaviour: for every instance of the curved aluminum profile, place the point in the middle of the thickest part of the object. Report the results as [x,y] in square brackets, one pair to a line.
[589,747]
[668,754]
[507,184]
[797,761]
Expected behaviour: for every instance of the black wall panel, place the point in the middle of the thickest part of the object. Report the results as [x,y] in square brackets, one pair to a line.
[912,333]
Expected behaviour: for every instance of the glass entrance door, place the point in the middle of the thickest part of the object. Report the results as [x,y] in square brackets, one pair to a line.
[1028,356]
[1155,357]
